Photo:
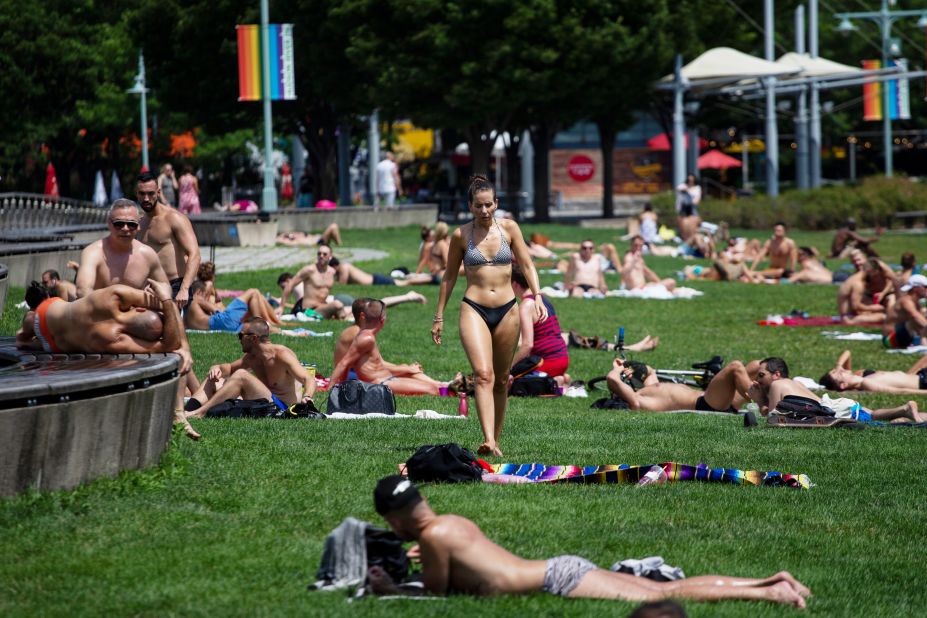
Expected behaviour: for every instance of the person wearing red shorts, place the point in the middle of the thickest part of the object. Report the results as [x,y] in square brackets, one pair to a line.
[542,339]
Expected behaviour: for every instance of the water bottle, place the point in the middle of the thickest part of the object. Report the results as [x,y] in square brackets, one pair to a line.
[462,406]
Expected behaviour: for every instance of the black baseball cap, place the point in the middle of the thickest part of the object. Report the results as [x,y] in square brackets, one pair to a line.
[393,493]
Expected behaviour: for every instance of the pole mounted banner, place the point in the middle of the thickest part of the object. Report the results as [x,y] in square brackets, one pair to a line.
[282,79]
[899,94]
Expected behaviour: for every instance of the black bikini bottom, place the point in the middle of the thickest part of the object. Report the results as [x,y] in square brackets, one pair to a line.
[491,315]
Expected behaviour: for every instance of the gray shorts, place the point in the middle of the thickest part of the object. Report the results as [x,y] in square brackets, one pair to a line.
[564,573]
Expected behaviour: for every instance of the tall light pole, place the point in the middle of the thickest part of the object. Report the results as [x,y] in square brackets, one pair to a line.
[772,130]
[269,195]
[801,116]
[139,88]
[814,130]
[884,17]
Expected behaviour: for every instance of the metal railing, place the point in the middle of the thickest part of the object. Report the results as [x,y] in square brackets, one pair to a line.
[20,211]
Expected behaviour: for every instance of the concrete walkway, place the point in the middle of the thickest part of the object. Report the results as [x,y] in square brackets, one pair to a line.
[241,259]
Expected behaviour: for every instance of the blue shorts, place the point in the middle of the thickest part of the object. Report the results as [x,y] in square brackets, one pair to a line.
[379,279]
[352,375]
[230,319]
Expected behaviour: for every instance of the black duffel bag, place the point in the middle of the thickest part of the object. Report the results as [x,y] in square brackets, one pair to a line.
[449,463]
[356,397]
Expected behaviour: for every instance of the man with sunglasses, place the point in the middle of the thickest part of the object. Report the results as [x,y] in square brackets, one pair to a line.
[585,274]
[267,371]
[170,233]
[318,279]
[119,257]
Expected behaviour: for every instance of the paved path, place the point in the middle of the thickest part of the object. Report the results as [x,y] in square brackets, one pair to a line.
[240,259]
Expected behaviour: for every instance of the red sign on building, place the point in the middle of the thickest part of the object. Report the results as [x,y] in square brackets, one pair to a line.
[581,168]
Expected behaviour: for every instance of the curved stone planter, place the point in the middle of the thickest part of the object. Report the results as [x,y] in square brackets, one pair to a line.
[70,418]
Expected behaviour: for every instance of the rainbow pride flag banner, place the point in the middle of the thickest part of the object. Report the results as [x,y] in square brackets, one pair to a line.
[623,473]
[899,98]
[250,67]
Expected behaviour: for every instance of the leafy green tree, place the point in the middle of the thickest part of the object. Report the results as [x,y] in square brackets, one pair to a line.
[63,64]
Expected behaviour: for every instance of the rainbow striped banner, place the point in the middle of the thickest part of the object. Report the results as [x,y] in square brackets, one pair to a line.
[282,80]
[899,99]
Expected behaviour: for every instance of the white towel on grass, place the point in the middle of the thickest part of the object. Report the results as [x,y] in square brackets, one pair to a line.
[293,332]
[656,292]
[424,414]
[857,336]
[914,349]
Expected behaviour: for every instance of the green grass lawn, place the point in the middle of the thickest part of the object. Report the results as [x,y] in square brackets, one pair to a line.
[234,525]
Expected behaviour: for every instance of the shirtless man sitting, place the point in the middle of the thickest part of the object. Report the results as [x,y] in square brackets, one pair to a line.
[119,257]
[584,273]
[59,287]
[860,298]
[204,314]
[267,371]
[782,253]
[772,384]
[363,355]
[812,270]
[319,279]
[846,239]
[725,392]
[457,557]
[635,274]
[170,233]
[843,378]
[905,324]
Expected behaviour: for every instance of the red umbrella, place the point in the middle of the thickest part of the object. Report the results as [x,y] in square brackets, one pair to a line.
[662,142]
[715,159]
[51,182]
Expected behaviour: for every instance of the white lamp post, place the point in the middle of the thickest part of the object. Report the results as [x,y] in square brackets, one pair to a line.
[139,88]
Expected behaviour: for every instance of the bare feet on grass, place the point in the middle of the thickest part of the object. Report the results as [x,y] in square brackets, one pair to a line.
[644,345]
[785,576]
[488,449]
[912,412]
[783,592]
[181,419]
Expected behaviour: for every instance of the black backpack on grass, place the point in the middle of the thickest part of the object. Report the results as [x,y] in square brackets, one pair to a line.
[534,386]
[802,408]
[449,463]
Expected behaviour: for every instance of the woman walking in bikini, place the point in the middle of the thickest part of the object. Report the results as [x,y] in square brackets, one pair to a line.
[489,322]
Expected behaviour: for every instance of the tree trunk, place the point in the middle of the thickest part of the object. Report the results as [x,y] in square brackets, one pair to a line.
[318,134]
[607,134]
[542,134]
[480,142]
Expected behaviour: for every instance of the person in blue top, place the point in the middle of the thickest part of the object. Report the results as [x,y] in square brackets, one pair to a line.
[489,319]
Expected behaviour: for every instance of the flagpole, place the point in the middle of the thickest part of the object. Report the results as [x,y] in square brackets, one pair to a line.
[269,195]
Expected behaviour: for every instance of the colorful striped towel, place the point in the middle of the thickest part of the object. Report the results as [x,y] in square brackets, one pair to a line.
[541,473]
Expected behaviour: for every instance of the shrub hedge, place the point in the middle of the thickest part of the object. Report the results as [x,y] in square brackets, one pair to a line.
[872,202]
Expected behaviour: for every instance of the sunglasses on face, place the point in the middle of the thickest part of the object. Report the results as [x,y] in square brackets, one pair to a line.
[121,223]
[242,335]
[586,247]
